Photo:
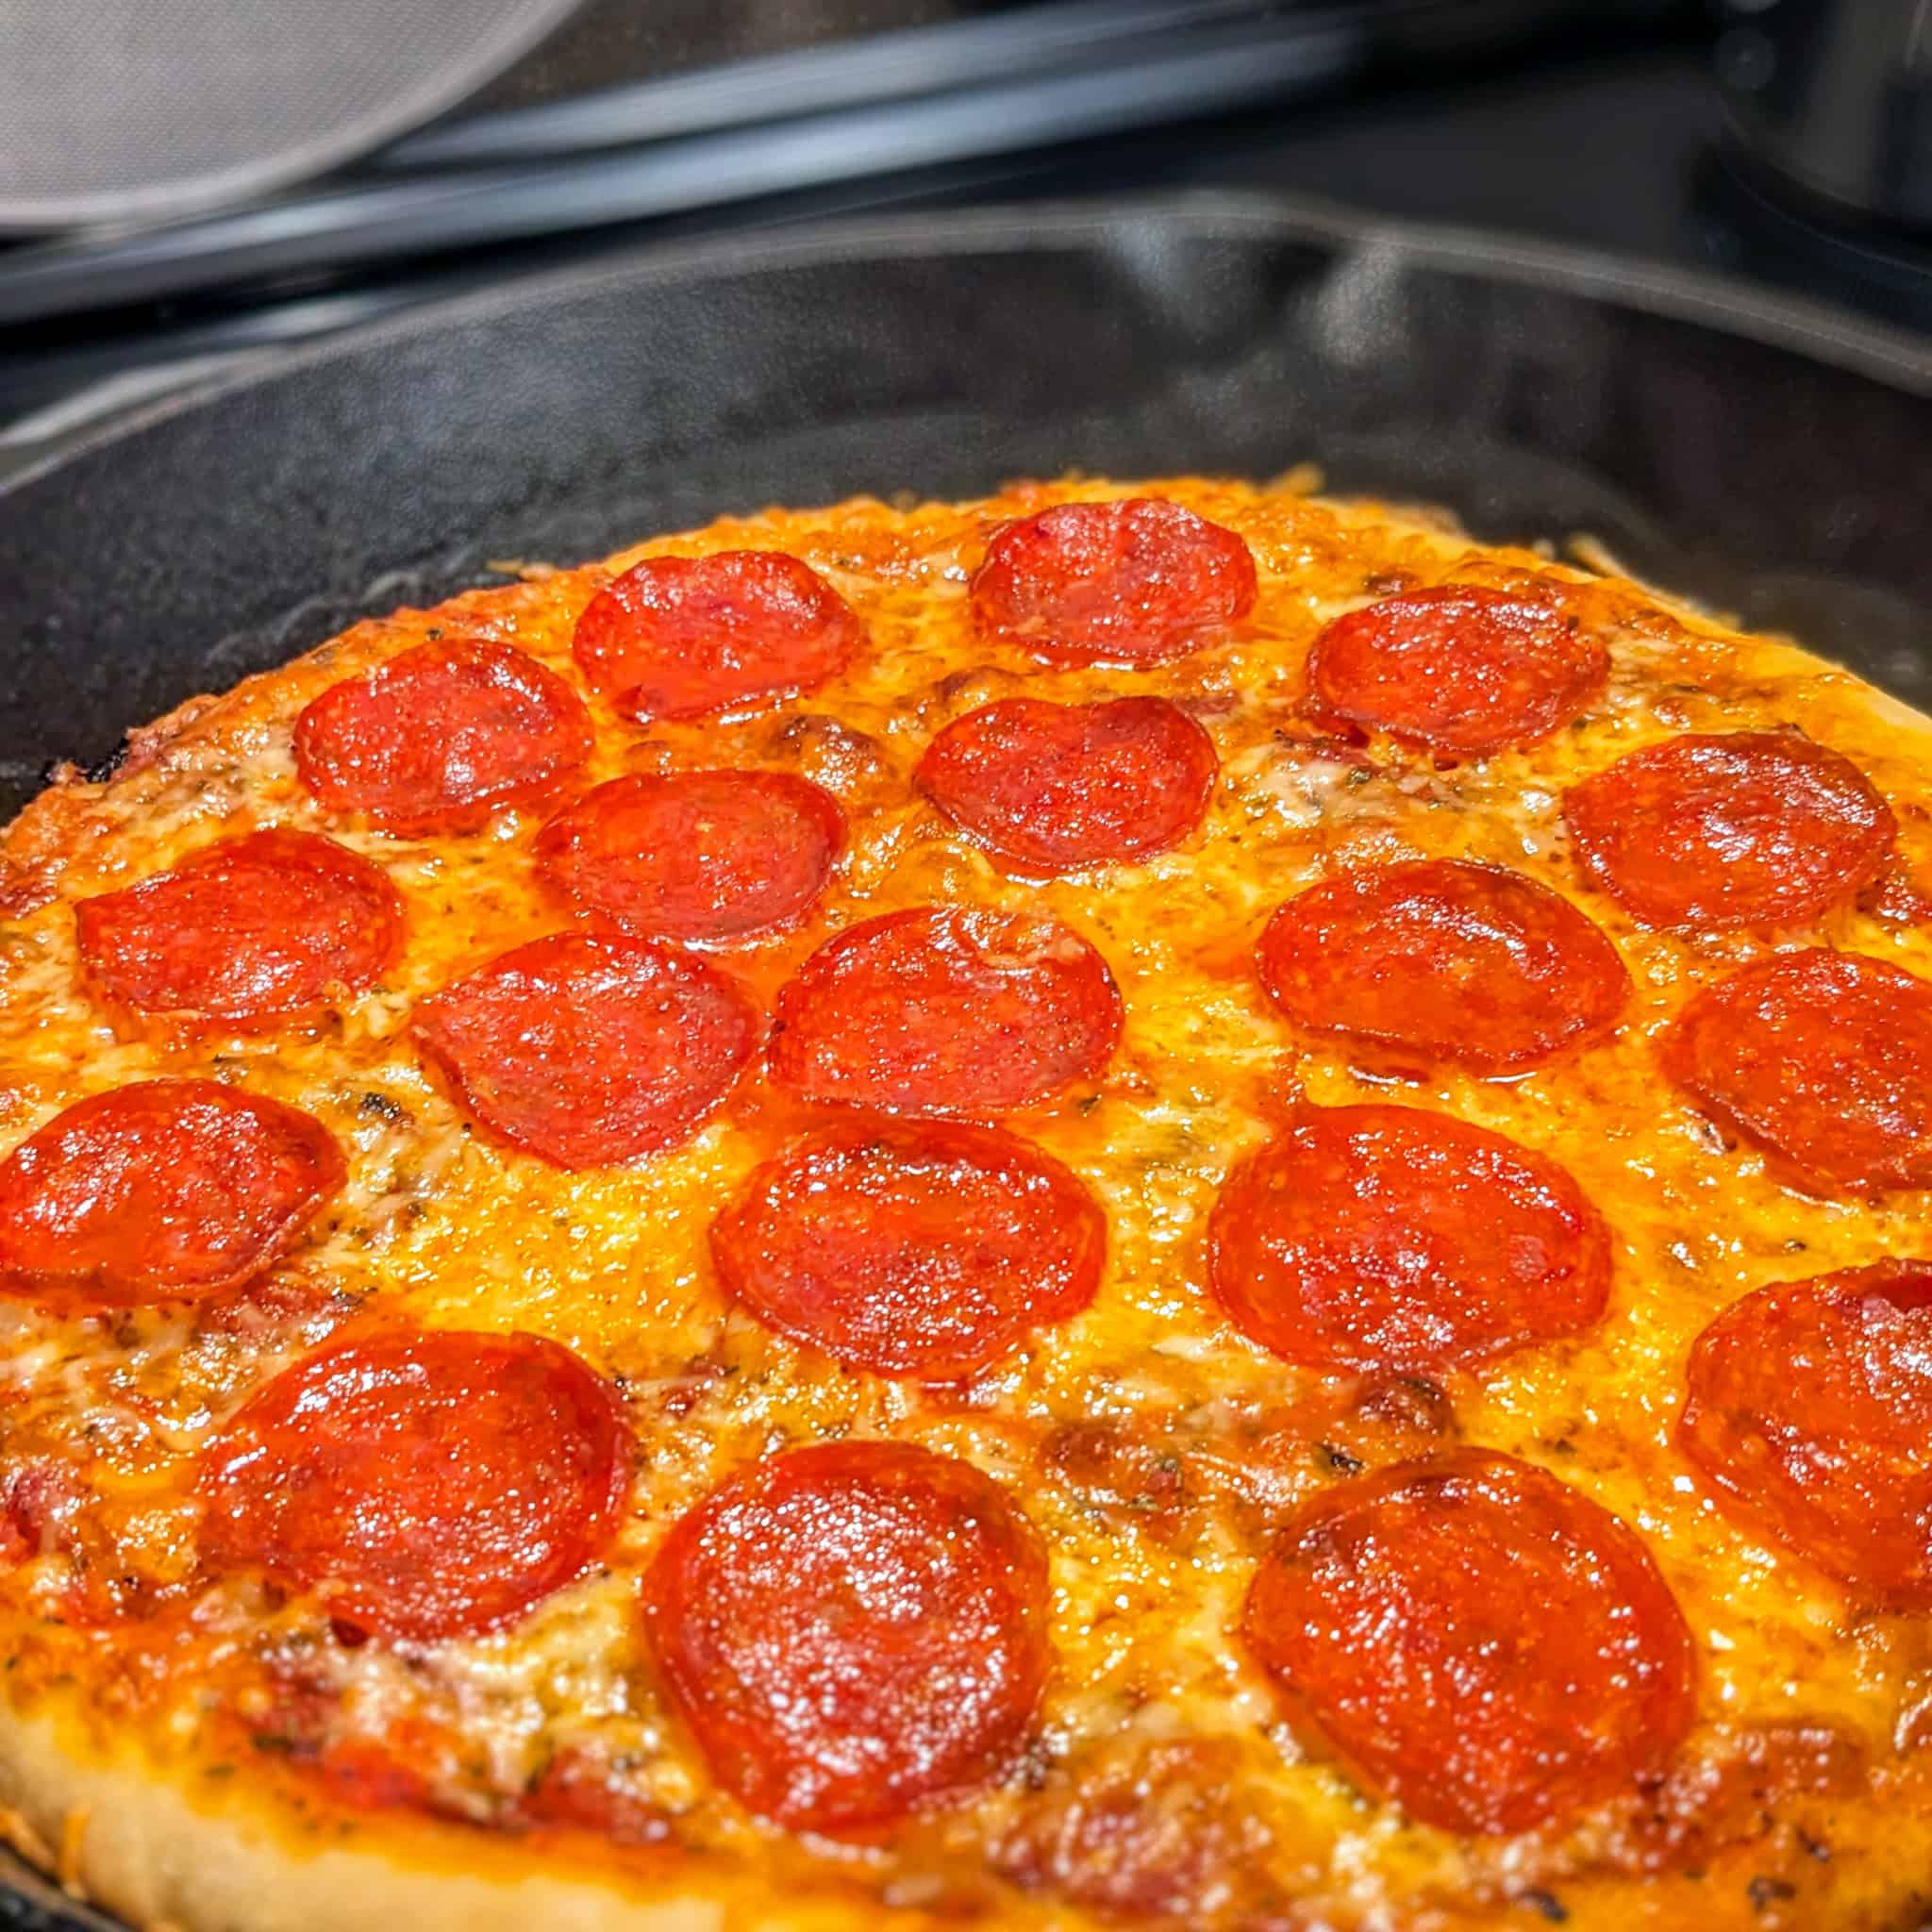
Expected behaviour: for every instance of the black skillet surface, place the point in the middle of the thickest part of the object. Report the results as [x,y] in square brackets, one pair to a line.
[1762,454]
[1769,456]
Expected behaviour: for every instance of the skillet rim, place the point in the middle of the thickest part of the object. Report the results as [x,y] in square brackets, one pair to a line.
[1892,357]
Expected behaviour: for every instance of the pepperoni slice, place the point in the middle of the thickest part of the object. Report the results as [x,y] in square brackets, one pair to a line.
[273,926]
[1057,787]
[697,855]
[1387,1238]
[1810,1406]
[426,1485]
[165,1188]
[851,1632]
[1822,1060]
[441,736]
[911,1248]
[1127,582]
[1439,959]
[1459,668]
[588,1051]
[946,1011]
[1475,1640]
[1711,833]
[677,637]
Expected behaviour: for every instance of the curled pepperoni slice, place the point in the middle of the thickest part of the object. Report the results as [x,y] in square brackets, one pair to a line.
[945,1011]
[911,1248]
[1387,1238]
[677,637]
[589,1051]
[273,926]
[1061,786]
[1810,1406]
[1459,668]
[1127,582]
[165,1188]
[1438,959]
[1751,828]
[441,736]
[1822,1060]
[1474,1639]
[426,1485]
[851,1632]
[697,855]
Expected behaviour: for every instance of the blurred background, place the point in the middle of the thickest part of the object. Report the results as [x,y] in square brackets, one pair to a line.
[187,184]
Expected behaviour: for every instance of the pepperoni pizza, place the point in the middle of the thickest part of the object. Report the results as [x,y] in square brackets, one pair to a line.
[1180,1206]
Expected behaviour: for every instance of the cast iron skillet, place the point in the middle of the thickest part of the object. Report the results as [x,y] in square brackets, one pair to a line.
[1763,454]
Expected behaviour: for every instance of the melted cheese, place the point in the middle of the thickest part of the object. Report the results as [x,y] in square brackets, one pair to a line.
[441,1229]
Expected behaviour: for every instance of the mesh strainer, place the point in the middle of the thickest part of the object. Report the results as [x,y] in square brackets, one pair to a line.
[123,110]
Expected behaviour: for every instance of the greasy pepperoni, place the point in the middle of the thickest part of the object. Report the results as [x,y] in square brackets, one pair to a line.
[1128,582]
[271,927]
[588,1051]
[165,1188]
[1810,1407]
[1438,959]
[1749,828]
[946,1011]
[676,636]
[426,1486]
[851,1632]
[1384,1239]
[441,736]
[911,1248]
[697,855]
[1474,1639]
[1822,1060]
[1459,668]
[1060,786]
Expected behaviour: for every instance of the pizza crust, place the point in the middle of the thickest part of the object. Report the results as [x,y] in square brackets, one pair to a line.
[118,1834]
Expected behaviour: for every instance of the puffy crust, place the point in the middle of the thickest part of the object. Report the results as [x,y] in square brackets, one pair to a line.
[119,1835]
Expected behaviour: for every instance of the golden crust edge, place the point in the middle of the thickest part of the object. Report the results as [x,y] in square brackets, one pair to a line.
[121,1835]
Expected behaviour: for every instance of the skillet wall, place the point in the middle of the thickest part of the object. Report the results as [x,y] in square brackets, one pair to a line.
[942,355]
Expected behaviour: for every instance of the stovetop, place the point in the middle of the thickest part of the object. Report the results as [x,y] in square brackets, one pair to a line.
[1607,137]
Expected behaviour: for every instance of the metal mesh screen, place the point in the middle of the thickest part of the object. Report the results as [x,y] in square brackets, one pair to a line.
[133,110]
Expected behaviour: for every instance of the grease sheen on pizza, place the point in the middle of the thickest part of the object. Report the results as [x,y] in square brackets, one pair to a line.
[1162,1205]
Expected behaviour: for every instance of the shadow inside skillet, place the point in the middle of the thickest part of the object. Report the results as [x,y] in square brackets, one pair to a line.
[1768,459]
